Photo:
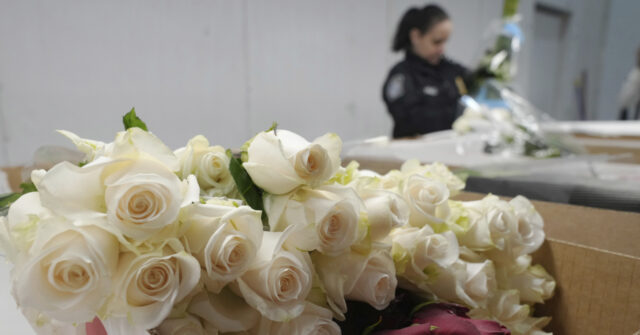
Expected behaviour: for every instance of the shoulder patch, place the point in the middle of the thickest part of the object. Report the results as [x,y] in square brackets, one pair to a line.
[395,87]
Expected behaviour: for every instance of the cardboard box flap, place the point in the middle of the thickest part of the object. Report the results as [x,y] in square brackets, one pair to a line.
[597,292]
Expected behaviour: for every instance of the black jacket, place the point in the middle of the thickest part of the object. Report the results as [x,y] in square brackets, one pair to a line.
[421,97]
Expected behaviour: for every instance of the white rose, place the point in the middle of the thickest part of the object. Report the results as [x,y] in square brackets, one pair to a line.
[209,164]
[502,221]
[187,325]
[496,220]
[533,282]
[315,320]
[140,197]
[369,278]
[145,197]
[280,279]
[44,325]
[67,273]
[504,230]
[72,191]
[469,255]
[505,306]
[131,143]
[225,311]
[392,181]
[349,175]
[150,284]
[472,284]
[90,148]
[477,233]
[427,199]
[19,227]
[530,225]
[325,219]
[135,142]
[419,252]
[437,171]
[280,161]
[480,283]
[224,240]
[385,211]
[376,285]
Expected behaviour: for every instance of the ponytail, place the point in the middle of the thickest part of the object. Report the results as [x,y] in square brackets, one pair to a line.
[422,19]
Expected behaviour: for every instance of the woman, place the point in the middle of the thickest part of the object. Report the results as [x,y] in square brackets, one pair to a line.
[422,91]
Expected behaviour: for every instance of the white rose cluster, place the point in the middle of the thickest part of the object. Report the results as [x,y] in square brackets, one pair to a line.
[474,253]
[144,237]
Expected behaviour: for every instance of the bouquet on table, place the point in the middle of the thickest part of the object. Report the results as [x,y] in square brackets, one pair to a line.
[277,240]
[511,126]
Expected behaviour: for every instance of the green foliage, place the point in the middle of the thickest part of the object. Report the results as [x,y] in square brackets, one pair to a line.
[244,156]
[251,193]
[131,120]
[418,307]
[7,199]
[510,8]
[372,327]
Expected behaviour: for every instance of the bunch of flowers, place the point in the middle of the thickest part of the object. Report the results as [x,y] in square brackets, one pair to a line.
[511,126]
[197,241]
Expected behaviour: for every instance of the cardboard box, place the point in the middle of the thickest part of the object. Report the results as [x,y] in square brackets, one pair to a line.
[626,149]
[14,176]
[594,255]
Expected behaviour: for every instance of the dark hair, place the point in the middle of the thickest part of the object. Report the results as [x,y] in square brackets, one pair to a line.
[422,19]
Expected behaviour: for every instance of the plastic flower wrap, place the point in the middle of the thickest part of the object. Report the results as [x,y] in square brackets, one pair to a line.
[510,125]
[140,238]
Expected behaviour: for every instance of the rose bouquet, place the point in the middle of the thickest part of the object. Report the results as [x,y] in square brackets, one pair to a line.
[277,239]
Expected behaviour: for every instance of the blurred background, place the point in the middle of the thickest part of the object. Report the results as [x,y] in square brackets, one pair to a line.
[227,69]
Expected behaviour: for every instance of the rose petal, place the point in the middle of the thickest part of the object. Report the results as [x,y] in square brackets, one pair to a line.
[225,311]
[268,166]
[73,191]
[135,142]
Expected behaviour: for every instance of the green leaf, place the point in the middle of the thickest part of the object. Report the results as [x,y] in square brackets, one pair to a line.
[28,187]
[131,120]
[274,127]
[7,199]
[372,327]
[432,328]
[251,193]
[244,156]
[419,307]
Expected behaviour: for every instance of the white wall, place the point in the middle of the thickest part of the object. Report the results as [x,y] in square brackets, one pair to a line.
[225,69]
[619,54]
[584,39]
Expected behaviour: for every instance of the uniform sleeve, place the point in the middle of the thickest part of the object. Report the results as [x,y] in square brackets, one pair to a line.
[400,96]
[630,92]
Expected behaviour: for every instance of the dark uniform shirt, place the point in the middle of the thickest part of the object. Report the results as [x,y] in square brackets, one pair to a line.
[422,97]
